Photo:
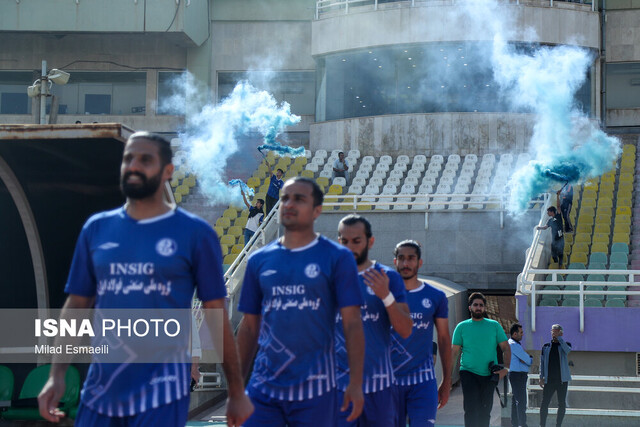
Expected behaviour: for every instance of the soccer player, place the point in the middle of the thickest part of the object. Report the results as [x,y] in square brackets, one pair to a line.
[418,393]
[384,306]
[292,291]
[177,252]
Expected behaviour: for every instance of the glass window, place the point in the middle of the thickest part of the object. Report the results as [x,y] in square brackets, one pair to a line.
[13,92]
[113,93]
[623,85]
[170,86]
[295,87]
[434,77]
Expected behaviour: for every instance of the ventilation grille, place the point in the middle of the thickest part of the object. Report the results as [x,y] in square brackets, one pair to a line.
[638,364]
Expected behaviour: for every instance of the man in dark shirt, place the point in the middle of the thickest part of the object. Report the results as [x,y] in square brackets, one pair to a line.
[565,194]
[275,185]
[557,235]
[554,374]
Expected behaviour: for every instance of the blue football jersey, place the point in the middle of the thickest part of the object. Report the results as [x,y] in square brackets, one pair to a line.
[298,293]
[378,370]
[152,263]
[413,357]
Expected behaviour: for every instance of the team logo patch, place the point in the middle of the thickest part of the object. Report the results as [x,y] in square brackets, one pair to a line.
[426,303]
[370,291]
[166,247]
[312,270]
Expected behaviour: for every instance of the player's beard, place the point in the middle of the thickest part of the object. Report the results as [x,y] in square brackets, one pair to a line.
[145,189]
[408,276]
[363,256]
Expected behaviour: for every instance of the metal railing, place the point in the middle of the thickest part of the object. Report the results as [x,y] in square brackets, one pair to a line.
[332,6]
[427,203]
[614,386]
[529,285]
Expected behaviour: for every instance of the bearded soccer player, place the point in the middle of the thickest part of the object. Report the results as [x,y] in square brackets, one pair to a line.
[181,251]
[419,396]
[384,307]
[292,291]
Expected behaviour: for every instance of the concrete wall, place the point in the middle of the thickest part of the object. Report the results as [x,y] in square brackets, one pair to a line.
[428,134]
[468,248]
[573,24]
[94,52]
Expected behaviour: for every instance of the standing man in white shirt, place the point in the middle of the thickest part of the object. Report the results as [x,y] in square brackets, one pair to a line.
[518,372]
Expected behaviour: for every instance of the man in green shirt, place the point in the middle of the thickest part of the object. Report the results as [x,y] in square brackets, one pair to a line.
[478,338]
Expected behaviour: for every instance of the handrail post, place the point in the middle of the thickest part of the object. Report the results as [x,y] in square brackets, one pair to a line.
[581,306]
[375,5]
[346,7]
[502,212]
[317,9]
[533,307]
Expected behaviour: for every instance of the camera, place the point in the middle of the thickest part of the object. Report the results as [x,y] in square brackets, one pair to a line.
[494,368]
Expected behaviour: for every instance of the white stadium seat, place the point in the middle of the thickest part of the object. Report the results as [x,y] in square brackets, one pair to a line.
[396,173]
[372,189]
[326,174]
[376,181]
[362,173]
[436,159]
[402,159]
[340,181]
[408,189]
[386,159]
[382,167]
[390,189]
[379,174]
[394,180]
[368,160]
[411,181]
[414,173]
[359,181]
[355,189]
[419,159]
[313,167]
[321,153]
[402,167]
[425,188]
[354,154]
[420,167]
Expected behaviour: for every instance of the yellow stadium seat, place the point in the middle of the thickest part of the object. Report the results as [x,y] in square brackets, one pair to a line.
[178,175]
[301,161]
[230,213]
[608,177]
[237,248]
[579,257]
[623,219]
[297,169]
[600,238]
[568,239]
[602,228]
[263,169]
[307,174]
[235,231]
[223,222]
[593,184]
[583,227]
[264,188]
[284,161]
[190,181]
[177,197]
[620,238]
[245,213]
[323,181]
[589,193]
[628,148]
[241,221]
[626,177]
[219,230]
[623,201]
[335,189]
[253,182]
[364,207]
[261,195]
[622,228]
[174,182]
[182,189]
[586,219]
[582,237]
[623,210]
[606,187]
[229,259]
[227,239]
[588,203]
[603,219]
[225,249]
[626,187]
[600,247]
[580,247]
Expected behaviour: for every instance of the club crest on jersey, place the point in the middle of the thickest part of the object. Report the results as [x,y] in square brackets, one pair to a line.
[370,291]
[312,270]
[426,303]
[166,247]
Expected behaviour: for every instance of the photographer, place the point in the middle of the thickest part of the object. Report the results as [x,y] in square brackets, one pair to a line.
[477,339]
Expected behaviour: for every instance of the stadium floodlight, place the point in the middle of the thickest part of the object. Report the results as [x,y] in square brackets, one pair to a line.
[42,86]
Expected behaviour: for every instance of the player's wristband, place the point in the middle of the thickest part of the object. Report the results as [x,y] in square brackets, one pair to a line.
[388,300]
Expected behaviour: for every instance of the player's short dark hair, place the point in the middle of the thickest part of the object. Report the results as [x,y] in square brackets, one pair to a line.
[316,191]
[408,243]
[552,209]
[514,328]
[261,201]
[353,219]
[475,296]
[164,147]
[281,171]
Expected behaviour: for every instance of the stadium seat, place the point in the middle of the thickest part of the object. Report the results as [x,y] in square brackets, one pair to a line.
[592,302]
[617,278]
[386,159]
[620,238]
[228,239]
[230,213]
[229,259]
[617,266]
[235,231]
[237,248]
[241,221]
[322,181]
[335,189]
[548,302]
[307,174]
[223,222]
[26,407]
[615,303]
[354,153]
[362,182]
[619,257]
[620,247]
[622,228]
[580,257]
[597,266]
[597,247]
[600,237]
[570,302]
[355,189]
[219,230]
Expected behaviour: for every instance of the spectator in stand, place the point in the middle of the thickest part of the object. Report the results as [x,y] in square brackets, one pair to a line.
[565,195]
[557,235]
[255,218]
[341,167]
[275,185]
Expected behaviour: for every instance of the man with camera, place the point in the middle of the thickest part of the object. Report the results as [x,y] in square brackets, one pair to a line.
[554,374]
[477,339]
[518,372]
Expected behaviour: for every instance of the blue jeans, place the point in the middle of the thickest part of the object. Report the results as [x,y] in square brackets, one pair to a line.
[248,234]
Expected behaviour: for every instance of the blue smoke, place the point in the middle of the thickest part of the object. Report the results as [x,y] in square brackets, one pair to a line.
[283,150]
[247,190]
[566,145]
[211,132]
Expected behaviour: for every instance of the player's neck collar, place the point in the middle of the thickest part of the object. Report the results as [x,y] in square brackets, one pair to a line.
[301,248]
[419,288]
[148,220]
